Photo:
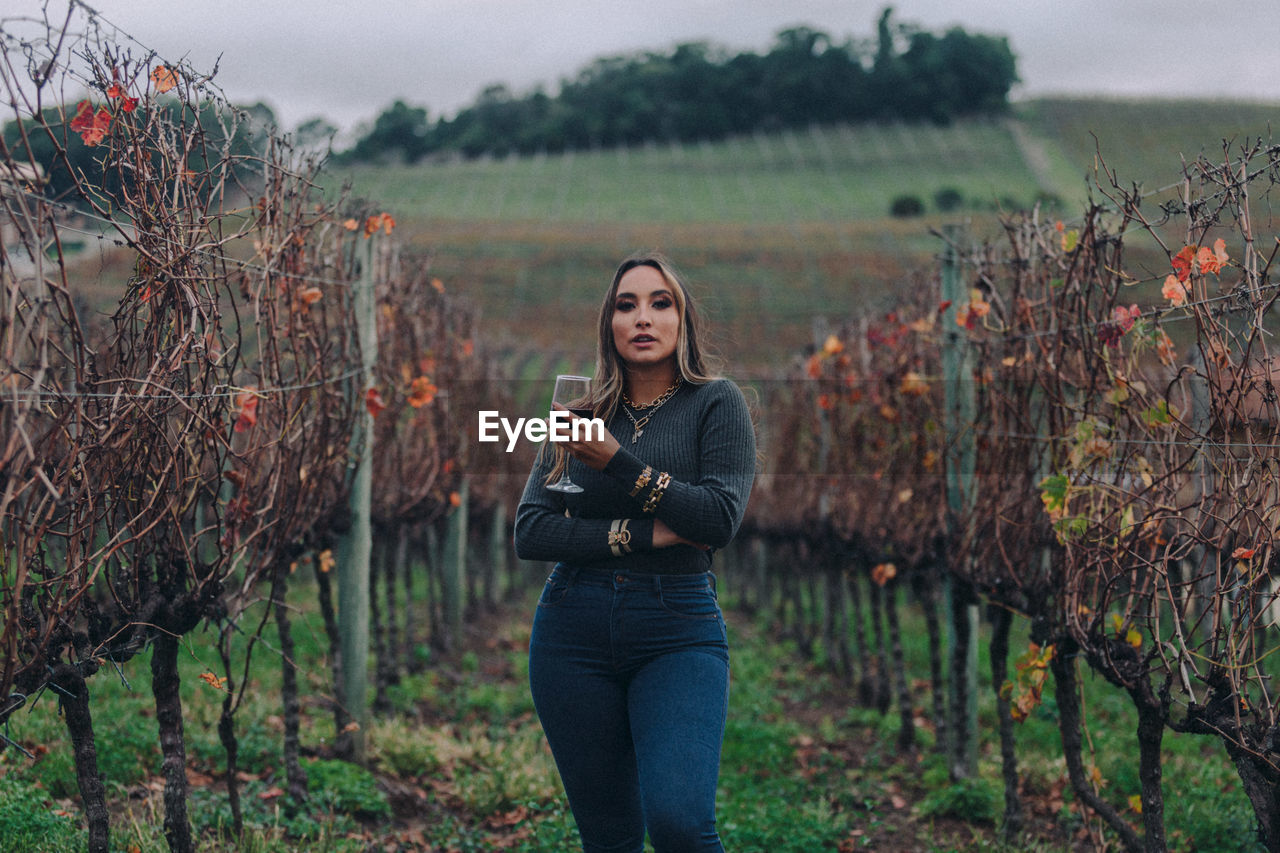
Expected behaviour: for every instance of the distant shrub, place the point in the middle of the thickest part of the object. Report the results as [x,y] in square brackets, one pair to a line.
[905,206]
[948,199]
[1049,201]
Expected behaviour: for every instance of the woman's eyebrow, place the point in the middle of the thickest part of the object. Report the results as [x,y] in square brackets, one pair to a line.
[629,295]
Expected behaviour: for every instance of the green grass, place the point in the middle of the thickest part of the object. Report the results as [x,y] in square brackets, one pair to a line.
[1205,807]
[461,763]
[819,175]
[1145,140]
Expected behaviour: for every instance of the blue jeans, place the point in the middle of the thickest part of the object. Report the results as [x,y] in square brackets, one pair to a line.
[630,678]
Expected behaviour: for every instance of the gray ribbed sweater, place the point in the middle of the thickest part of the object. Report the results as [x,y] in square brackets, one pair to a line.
[702,437]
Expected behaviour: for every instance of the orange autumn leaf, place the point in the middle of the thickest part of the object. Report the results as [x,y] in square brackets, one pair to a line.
[1211,260]
[884,573]
[438,285]
[455,499]
[373,402]
[968,315]
[468,348]
[350,224]
[326,561]
[1174,290]
[382,221]
[213,681]
[310,295]
[832,345]
[1182,262]
[247,419]
[913,384]
[813,367]
[1220,251]
[1243,553]
[825,402]
[163,78]
[422,392]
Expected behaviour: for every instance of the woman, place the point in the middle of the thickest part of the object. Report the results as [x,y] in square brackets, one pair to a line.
[628,661]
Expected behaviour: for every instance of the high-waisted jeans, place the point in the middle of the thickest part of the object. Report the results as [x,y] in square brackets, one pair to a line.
[630,678]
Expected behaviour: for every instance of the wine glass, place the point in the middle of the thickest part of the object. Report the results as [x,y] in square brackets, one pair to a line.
[569,390]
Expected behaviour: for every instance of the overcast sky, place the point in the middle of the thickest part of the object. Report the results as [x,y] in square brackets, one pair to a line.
[310,58]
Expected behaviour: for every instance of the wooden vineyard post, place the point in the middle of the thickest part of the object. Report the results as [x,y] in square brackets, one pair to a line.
[355,550]
[500,553]
[961,603]
[454,569]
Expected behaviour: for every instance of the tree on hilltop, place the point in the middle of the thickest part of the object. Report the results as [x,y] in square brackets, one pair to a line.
[697,91]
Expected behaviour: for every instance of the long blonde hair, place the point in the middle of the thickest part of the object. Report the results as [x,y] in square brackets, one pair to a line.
[695,363]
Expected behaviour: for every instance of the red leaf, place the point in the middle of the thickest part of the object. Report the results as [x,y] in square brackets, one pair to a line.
[373,402]
[1182,262]
[91,126]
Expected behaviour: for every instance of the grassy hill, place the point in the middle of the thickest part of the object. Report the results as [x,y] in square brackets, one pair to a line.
[774,230]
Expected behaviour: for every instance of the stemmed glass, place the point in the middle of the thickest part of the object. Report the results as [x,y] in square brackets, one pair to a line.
[569,390]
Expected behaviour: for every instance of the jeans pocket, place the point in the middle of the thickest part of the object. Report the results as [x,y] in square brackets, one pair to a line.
[554,590]
[695,602]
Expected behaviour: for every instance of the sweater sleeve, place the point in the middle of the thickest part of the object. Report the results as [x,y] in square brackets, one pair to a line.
[707,511]
[543,530]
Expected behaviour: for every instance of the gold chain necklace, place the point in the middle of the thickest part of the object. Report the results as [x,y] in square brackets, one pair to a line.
[637,426]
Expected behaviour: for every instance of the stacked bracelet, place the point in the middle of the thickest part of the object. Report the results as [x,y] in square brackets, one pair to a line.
[642,480]
[656,493]
[619,537]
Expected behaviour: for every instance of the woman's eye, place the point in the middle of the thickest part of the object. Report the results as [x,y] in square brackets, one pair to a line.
[662,303]
[624,306]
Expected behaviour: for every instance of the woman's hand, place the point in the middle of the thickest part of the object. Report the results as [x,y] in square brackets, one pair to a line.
[593,454]
[665,537]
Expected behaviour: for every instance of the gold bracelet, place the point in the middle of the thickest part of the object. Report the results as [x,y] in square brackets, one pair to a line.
[642,480]
[619,537]
[655,495]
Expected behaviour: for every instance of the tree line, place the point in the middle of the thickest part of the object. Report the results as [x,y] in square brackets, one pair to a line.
[699,91]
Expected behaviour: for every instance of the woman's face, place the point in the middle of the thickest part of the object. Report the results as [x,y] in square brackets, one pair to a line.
[646,321]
